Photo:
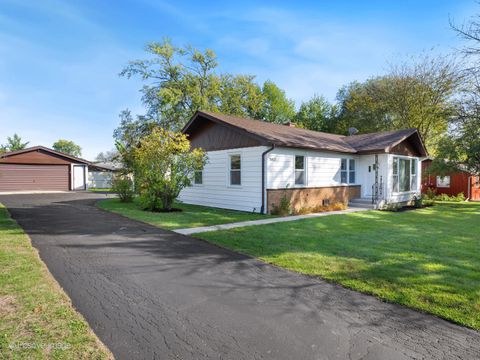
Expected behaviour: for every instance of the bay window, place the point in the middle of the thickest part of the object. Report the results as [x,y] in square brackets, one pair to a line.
[405,174]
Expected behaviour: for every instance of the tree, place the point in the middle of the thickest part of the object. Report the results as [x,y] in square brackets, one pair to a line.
[460,148]
[277,108]
[316,114]
[108,156]
[181,80]
[164,165]
[419,94]
[14,143]
[67,147]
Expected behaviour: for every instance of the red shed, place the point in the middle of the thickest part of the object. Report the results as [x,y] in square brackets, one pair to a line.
[451,184]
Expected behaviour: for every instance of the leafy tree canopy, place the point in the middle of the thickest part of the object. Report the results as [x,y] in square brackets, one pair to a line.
[67,147]
[418,94]
[14,143]
[316,114]
[164,165]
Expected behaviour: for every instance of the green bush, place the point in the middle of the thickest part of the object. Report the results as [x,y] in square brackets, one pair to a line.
[283,208]
[123,187]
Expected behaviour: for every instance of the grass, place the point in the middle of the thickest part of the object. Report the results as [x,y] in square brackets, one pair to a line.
[426,259]
[109,190]
[190,216]
[37,320]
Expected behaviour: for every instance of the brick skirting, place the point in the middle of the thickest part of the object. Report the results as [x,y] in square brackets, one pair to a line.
[310,197]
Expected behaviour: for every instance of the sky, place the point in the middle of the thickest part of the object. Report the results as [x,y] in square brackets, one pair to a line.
[60,60]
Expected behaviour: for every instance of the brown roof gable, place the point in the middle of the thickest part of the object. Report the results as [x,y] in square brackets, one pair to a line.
[281,135]
[43,148]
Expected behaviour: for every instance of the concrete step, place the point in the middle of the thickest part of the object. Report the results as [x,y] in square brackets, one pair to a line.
[361,201]
[360,206]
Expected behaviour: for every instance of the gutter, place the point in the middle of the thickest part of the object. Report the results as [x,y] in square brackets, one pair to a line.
[263,208]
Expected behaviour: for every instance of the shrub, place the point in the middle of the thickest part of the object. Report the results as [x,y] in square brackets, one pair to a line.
[431,193]
[164,164]
[123,187]
[283,208]
[321,208]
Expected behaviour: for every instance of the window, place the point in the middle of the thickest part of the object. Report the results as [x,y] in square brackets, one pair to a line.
[299,170]
[235,170]
[413,177]
[351,171]
[347,171]
[443,181]
[405,174]
[198,177]
[343,171]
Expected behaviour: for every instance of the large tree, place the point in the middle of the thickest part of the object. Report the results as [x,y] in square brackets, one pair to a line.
[14,143]
[417,94]
[67,147]
[181,80]
[460,148]
[276,107]
[316,114]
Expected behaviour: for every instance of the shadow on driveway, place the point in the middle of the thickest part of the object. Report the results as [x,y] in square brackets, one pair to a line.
[152,293]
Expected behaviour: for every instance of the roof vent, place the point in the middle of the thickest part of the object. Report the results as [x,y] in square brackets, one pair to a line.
[352,131]
[290,124]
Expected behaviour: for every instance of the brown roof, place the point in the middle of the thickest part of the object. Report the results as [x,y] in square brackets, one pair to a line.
[281,135]
[43,148]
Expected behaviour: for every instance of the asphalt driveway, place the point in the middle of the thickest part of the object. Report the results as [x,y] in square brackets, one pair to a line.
[150,293]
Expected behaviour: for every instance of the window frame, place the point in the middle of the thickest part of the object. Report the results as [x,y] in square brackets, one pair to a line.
[347,172]
[444,177]
[413,163]
[195,177]
[304,170]
[229,180]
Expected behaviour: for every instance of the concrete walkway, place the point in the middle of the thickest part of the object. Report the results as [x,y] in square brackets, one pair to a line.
[196,230]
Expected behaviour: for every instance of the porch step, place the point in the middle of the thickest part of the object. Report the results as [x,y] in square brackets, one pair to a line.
[361,203]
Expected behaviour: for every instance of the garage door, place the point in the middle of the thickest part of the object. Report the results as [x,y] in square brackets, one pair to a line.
[33,177]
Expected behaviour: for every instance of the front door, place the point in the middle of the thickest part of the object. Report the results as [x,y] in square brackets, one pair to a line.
[475,188]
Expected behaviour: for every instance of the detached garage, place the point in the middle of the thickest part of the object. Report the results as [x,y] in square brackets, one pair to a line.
[42,169]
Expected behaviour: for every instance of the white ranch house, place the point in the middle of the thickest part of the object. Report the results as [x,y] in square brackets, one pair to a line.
[252,164]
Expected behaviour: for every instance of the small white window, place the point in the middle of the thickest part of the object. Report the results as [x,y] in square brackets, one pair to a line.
[443,181]
[198,177]
[299,170]
[347,171]
[343,171]
[235,170]
[351,171]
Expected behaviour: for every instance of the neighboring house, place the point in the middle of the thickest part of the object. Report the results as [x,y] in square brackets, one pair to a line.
[100,174]
[42,169]
[252,164]
[451,184]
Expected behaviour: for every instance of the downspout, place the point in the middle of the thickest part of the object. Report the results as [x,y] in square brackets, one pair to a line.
[263,208]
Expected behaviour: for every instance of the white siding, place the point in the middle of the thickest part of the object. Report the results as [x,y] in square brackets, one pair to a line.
[100,179]
[216,191]
[323,168]
[367,178]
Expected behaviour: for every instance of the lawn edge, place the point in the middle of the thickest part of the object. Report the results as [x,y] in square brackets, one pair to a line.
[335,283]
[58,288]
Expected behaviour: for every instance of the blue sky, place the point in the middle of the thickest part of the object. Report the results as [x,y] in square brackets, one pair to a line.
[59,60]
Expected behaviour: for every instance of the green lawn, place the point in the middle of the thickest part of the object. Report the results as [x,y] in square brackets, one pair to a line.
[426,259]
[191,216]
[37,320]
[100,190]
